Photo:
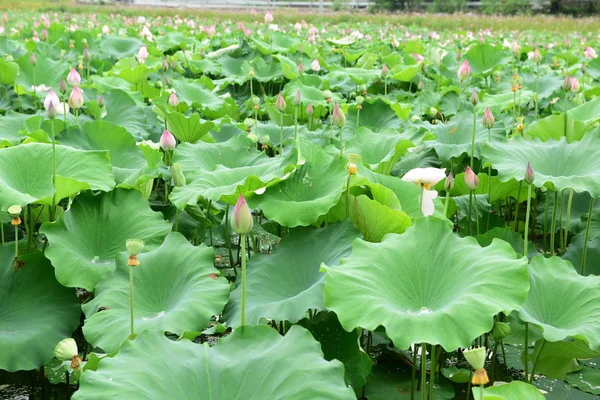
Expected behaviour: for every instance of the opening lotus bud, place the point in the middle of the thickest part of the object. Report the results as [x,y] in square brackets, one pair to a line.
[178,176]
[352,168]
[327,95]
[134,246]
[315,66]
[529,174]
[242,221]
[76,98]
[575,86]
[537,56]
[475,356]
[471,180]
[66,350]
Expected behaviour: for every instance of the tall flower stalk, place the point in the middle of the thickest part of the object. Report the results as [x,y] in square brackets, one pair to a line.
[15,212]
[476,358]
[587,237]
[472,182]
[297,105]
[242,223]
[339,119]
[566,87]
[280,105]
[474,101]
[134,247]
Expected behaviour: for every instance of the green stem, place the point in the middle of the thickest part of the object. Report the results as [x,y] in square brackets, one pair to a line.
[357,117]
[16,242]
[473,137]
[433,358]
[421,198]
[295,126]
[475,213]
[131,302]
[545,223]
[565,124]
[537,89]
[228,239]
[256,122]
[341,143]
[527,214]
[569,204]
[385,86]
[470,210]
[553,224]
[77,116]
[414,373]
[526,348]
[281,136]
[348,196]
[587,236]
[481,391]
[560,221]
[459,94]
[517,207]
[424,371]
[446,203]
[2,232]
[243,251]
[53,204]
[487,225]
[535,361]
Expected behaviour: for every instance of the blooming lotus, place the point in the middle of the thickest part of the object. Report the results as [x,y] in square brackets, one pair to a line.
[425,178]
[268,17]
[589,53]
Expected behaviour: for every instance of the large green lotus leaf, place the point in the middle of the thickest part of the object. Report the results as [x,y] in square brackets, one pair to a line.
[380,151]
[359,76]
[174,41]
[263,71]
[129,164]
[122,110]
[10,125]
[552,127]
[453,139]
[588,380]
[197,95]
[223,171]
[119,47]
[510,391]
[483,58]
[289,68]
[374,220]
[574,254]
[503,101]
[36,312]
[47,71]
[284,285]
[188,128]
[588,112]
[24,182]
[556,389]
[8,71]
[310,191]
[376,115]
[509,236]
[425,278]
[253,363]
[558,165]
[406,73]
[557,359]
[86,239]
[562,302]
[339,344]
[176,289]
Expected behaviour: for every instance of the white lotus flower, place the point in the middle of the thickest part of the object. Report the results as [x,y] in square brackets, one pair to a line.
[425,178]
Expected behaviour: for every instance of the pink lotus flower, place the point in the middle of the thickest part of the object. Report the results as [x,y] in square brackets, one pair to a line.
[590,53]
[241,220]
[51,98]
[73,77]
[464,71]
[315,66]
[105,30]
[268,17]
[471,180]
[309,109]
[488,118]
[418,57]
[173,100]
[142,54]
[338,117]
[76,98]
[167,141]
[280,103]
[575,86]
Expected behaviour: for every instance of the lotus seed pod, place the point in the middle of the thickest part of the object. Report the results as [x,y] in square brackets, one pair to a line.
[500,330]
[252,136]
[134,246]
[327,95]
[255,100]
[359,100]
[352,168]
[529,175]
[264,138]
[471,180]
[475,357]
[66,349]
[241,220]
[178,176]
[15,210]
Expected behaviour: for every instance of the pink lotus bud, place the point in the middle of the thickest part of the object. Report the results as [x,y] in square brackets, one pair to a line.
[62,86]
[76,98]
[51,110]
[173,100]
[73,77]
[165,64]
[464,71]
[566,85]
[300,68]
[309,109]
[529,175]
[167,141]
[32,59]
[100,101]
[241,220]
[575,86]
[590,53]
[105,30]
[515,49]
[418,57]
[537,56]
[280,103]
[44,35]
[315,66]
[86,54]
[488,119]
[268,17]
[142,54]
[338,117]
[471,179]
[384,70]
[449,184]
[566,43]
[474,98]
[298,99]
[51,98]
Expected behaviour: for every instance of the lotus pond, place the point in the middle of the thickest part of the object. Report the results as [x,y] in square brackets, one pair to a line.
[210,209]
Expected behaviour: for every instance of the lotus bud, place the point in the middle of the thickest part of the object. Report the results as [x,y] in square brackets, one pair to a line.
[142,54]
[575,86]
[327,95]
[566,43]
[537,56]
[44,35]
[298,99]
[500,330]
[449,184]
[529,174]
[242,221]
[471,179]
[101,101]
[315,66]
[73,78]
[488,118]
[165,64]
[76,98]
[300,68]
[280,103]
[32,59]
[309,109]
[178,176]
[583,68]
[384,70]
[167,141]
[464,71]
[338,117]
[15,212]
[62,86]
[86,54]
[474,98]
[51,110]
[173,100]
[158,84]
[421,86]
[476,358]
[566,86]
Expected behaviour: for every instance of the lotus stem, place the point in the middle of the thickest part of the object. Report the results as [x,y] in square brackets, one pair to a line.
[459,94]
[537,89]
[535,361]
[413,373]
[357,117]
[481,391]
[553,224]
[526,348]
[243,254]
[16,243]
[527,215]
[65,112]
[281,136]
[569,204]
[2,232]
[517,207]
[53,203]
[385,86]
[132,336]
[77,116]
[487,225]
[446,203]
[469,386]
[473,137]
[565,122]
[560,221]
[433,358]
[545,223]
[587,236]
[341,143]
[424,371]
[256,122]
[421,197]
[470,211]
[295,126]
[228,239]
[348,196]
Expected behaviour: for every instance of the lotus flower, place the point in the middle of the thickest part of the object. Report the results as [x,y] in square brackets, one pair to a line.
[425,178]
[575,86]
[590,53]
[338,117]
[105,30]
[76,98]
[173,100]
[488,118]
[167,141]
[309,109]
[315,66]
[73,77]
[529,174]
[464,71]
[142,54]
[471,180]
[566,85]
[268,17]
[51,98]
[280,103]
[241,220]
[32,59]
